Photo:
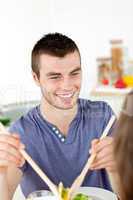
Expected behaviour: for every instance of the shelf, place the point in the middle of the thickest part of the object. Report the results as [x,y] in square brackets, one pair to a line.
[109,91]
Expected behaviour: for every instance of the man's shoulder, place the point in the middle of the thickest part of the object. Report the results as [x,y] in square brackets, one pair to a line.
[99,111]
[25,121]
[93,105]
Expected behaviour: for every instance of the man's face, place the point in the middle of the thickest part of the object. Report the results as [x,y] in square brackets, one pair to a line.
[60,79]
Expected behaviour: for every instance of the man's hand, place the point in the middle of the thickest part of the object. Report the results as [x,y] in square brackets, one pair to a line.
[9,151]
[104,154]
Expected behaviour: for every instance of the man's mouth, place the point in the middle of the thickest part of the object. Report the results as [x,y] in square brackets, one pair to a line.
[65,95]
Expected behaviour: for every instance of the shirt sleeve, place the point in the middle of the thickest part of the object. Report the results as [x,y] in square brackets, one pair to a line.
[16,128]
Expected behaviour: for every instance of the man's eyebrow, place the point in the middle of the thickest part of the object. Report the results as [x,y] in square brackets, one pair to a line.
[76,70]
[53,74]
[58,74]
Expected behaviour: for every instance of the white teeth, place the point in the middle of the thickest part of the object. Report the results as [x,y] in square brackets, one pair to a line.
[65,95]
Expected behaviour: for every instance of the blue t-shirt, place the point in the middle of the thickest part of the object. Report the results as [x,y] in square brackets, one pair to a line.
[62,159]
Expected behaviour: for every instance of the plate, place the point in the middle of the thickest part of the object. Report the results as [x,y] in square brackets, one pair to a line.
[44,198]
[97,193]
[94,192]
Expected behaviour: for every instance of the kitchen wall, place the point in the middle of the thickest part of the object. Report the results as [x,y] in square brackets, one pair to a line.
[90,23]
[22,24]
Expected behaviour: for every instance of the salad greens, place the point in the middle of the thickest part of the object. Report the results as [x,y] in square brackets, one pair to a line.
[5,120]
[81,196]
[64,192]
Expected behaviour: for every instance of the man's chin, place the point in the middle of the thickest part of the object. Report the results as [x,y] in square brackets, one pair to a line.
[64,107]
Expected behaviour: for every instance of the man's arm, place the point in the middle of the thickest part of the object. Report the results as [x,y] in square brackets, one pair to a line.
[9,180]
[105,160]
[10,160]
[115,182]
[3,185]
[13,182]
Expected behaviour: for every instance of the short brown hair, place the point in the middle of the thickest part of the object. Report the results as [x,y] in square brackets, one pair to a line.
[54,44]
[124,148]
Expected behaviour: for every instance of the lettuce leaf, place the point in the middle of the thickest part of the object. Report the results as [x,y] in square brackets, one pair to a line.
[81,196]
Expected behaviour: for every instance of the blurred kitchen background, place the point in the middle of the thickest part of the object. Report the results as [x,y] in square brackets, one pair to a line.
[98,27]
[103,31]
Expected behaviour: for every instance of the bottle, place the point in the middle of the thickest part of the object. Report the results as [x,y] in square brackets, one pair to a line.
[104,65]
[128,74]
[117,56]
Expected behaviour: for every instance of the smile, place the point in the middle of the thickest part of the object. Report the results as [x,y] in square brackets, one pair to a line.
[65,95]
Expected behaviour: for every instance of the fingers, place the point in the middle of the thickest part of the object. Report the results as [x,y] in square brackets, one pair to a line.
[11,140]
[10,150]
[110,166]
[104,154]
[107,161]
[93,146]
[6,159]
[101,144]
[6,147]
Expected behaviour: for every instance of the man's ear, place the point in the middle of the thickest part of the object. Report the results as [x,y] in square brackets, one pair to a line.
[36,79]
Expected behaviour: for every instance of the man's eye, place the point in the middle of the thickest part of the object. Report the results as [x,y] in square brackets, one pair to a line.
[54,77]
[76,73]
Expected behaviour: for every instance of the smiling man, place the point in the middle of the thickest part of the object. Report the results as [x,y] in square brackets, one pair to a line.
[59,132]
[60,82]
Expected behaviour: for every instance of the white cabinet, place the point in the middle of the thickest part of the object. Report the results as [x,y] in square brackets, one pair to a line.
[114,97]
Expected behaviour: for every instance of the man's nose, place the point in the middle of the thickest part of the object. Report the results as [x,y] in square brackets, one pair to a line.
[66,83]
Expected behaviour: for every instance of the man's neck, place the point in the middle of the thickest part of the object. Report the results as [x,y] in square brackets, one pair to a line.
[59,117]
